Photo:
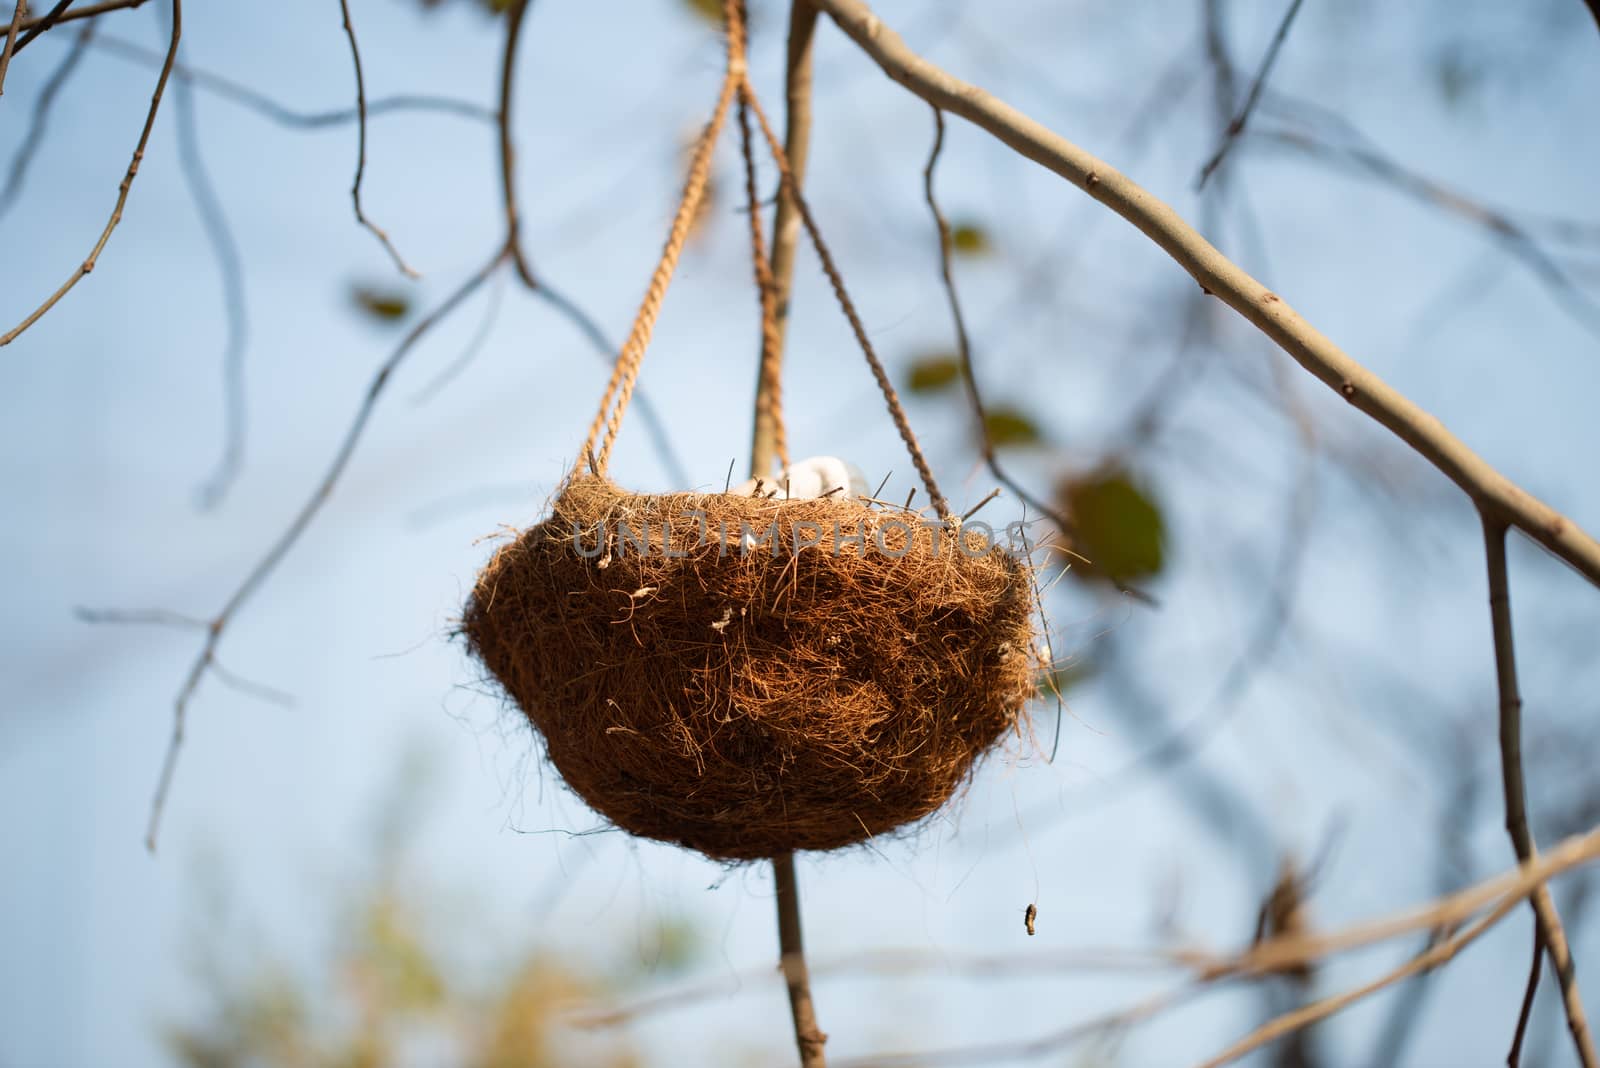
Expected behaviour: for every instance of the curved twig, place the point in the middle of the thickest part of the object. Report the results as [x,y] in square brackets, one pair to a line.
[31,141]
[361,148]
[230,269]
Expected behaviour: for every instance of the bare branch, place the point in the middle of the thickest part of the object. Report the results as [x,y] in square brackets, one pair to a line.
[218,624]
[31,141]
[1219,276]
[11,41]
[361,147]
[1511,234]
[1236,127]
[508,183]
[786,221]
[230,270]
[792,962]
[122,190]
[1536,969]
[264,105]
[1550,931]
[87,12]
[39,26]
[539,286]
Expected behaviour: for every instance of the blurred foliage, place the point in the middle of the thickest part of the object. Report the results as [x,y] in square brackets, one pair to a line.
[970,239]
[1008,426]
[379,303]
[1116,525]
[710,10]
[933,372]
[400,984]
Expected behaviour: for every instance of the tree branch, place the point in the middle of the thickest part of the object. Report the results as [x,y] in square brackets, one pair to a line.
[1236,127]
[263,104]
[11,41]
[1550,931]
[31,141]
[88,12]
[792,961]
[786,220]
[122,189]
[215,627]
[361,147]
[1219,276]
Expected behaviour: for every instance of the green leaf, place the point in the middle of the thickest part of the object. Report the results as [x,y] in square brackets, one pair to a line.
[384,305]
[1116,525]
[1008,426]
[929,374]
[970,239]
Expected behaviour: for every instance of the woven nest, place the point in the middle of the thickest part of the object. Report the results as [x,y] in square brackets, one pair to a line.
[743,702]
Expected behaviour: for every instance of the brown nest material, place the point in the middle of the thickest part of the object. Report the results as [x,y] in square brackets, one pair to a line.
[745,702]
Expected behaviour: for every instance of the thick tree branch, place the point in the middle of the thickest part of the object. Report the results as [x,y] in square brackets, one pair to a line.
[1219,276]
[122,189]
[1550,931]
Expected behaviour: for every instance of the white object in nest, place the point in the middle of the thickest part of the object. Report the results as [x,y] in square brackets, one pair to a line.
[817,476]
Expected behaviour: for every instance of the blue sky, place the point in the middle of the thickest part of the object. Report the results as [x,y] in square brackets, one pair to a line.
[112,416]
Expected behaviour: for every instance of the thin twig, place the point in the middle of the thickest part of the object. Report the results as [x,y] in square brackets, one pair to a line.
[87,12]
[1291,1022]
[1507,231]
[218,624]
[1536,969]
[1236,127]
[122,189]
[792,962]
[11,41]
[31,141]
[537,284]
[361,146]
[1550,931]
[508,184]
[491,313]
[264,105]
[1218,275]
[230,269]
[40,26]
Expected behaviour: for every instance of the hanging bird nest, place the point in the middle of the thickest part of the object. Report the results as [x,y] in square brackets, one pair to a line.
[746,676]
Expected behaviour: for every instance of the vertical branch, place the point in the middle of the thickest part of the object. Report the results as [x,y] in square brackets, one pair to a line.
[508,186]
[11,40]
[361,147]
[786,220]
[807,1035]
[776,279]
[1548,921]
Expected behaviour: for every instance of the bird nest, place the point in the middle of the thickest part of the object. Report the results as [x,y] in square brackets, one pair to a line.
[749,676]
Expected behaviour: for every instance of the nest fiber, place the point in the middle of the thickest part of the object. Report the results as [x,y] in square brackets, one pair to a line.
[746,676]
